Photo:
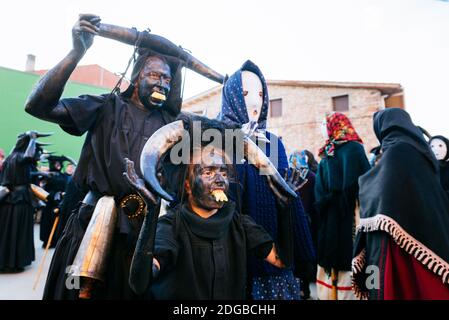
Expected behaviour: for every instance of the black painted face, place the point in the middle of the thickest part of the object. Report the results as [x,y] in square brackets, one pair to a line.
[57,166]
[210,175]
[154,77]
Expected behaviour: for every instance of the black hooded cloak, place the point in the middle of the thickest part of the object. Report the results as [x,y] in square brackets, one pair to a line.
[16,210]
[402,204]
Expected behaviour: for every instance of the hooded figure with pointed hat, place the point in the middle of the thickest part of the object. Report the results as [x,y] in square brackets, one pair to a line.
[16,209]
[117,127]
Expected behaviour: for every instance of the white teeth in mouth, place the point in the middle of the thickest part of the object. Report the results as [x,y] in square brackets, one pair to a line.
[158,95]
[220,196]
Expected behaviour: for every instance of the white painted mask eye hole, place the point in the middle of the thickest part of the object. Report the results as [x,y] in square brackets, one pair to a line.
[439,148]
[253,94]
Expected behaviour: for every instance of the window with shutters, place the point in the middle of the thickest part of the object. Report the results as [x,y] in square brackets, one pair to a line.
[341,103]
[276,108]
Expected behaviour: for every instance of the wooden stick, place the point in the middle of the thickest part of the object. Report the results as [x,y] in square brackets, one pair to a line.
[334,278]
[50,238]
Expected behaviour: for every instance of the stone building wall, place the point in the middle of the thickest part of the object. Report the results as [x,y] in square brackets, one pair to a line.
[303,109]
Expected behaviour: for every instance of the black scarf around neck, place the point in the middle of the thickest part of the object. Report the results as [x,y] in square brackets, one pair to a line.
[214,227]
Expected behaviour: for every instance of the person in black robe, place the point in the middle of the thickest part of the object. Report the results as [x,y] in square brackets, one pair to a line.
[202,244]
[73,196]
[336,194]
[16,210]
[117,127]
[402,245]
[55,185]
[440,147]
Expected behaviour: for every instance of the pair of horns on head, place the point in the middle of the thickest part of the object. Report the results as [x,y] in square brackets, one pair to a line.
[167,136]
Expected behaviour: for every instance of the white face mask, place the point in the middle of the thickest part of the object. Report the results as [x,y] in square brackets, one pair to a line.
[323,129]
[439,148]
[253,94]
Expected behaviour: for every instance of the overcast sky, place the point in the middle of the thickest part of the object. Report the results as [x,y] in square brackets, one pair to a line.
[400,41]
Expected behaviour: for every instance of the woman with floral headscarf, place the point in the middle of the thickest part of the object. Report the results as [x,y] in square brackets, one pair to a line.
[245,104]
[336,191]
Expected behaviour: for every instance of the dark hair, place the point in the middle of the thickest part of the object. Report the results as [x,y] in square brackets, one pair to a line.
[311,162]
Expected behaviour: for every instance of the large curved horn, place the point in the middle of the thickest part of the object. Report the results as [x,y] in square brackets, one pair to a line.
[162,140]
[43,144]
[167,136]
[159,44]
[43,134]
[257,157]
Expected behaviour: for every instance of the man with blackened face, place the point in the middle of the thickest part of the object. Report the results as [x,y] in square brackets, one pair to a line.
[208,181]
[202,244]
[118,125]
[153,85]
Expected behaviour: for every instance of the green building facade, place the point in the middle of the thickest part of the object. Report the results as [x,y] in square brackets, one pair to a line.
[15,86]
